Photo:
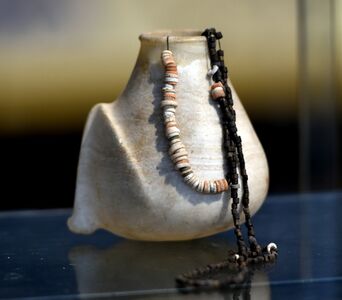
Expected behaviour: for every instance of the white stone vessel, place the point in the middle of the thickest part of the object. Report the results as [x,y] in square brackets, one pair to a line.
[127,183]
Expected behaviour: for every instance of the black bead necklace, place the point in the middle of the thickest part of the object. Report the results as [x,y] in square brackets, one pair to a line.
[246,259]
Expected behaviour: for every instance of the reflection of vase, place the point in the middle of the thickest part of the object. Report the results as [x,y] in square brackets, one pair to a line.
[127,183]
[150,268]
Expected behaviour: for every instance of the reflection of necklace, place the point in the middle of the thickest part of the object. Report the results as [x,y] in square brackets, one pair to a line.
[221,93]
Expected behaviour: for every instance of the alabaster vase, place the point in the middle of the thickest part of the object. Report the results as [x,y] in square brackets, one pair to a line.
[126,181]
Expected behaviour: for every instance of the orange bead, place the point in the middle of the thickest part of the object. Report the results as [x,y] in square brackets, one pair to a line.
[217,84]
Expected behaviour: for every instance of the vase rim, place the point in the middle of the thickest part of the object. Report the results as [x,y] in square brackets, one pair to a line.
[183,35]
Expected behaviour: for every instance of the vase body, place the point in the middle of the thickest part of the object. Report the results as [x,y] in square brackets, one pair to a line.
[126,182]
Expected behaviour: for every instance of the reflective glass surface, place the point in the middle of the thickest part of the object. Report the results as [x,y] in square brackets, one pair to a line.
[41,259]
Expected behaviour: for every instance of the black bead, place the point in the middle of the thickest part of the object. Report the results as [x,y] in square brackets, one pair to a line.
[236,215]
[234,193]
[217,76]
[243,172]
[212,44]
[212,39]
[220,52]
[230,101]
[204,33]
[219,35]
[212,51]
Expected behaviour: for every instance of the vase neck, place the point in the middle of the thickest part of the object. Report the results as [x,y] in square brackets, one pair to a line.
[186,45]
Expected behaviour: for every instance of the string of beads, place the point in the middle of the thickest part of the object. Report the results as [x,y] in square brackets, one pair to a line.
[232,145]
[177,150]
[246,257]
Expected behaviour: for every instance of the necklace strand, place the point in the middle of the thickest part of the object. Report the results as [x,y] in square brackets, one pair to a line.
[177,150]
[233,146]
[247,258]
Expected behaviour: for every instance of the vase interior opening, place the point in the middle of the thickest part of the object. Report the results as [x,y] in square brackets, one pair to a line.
[175,35]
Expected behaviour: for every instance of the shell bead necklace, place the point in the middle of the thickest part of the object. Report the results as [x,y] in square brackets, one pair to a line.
[247,257]
[177,150]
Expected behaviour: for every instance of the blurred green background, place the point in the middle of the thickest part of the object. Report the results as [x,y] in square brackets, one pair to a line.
[59,58]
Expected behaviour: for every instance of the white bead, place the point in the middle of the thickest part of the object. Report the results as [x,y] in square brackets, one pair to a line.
[236,256]
[212,186]
[205,187]
[195,183]
[180,158]
[168,87]
[169,109]
[166,53]
[213,70]
[200,186]
[192,180]
[178,154]
[172,103]
[169,91]
[176,146]
[168,114]
[175,141]
[171,134]
[188,177]
[171,79]
[171,129]
[169,119]
[187,170]
[271,246]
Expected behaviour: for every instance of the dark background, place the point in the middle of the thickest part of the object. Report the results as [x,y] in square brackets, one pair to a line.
[60,58]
